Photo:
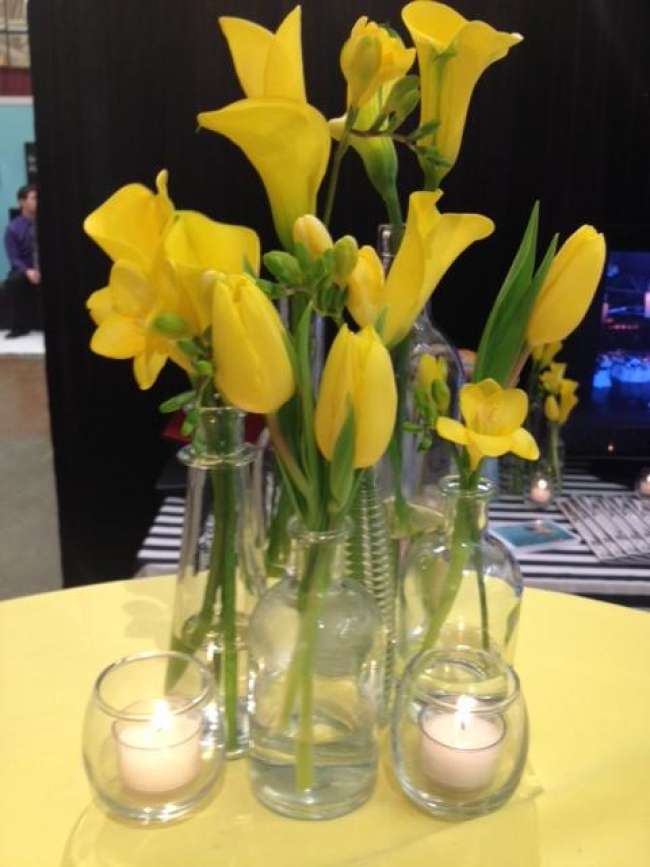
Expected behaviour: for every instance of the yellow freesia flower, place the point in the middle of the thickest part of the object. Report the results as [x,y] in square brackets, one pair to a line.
[370,57]
[558,408]
[195,245]
[453,53]
[432,242]
[131,222]
[358,372]
[124,312]
[493,423]
[569,287]
[252,368]
[266,63]
[545,353]
[552,378]
[286,140]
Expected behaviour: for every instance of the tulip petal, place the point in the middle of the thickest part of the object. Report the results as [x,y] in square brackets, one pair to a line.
[118,337]
[129,224]
[374,399]
[331,406]
[365,287]
[451,430]
[100,304]
[523,444]
[288,143]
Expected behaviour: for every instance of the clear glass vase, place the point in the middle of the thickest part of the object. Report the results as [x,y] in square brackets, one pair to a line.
[221,572]
[462,588]
[316,654]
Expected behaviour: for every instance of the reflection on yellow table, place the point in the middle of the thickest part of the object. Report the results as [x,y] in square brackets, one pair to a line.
[585,672]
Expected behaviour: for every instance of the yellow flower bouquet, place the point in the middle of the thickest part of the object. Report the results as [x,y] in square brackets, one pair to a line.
[202,294]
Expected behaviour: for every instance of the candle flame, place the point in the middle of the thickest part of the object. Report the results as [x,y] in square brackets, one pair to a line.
[162,716]
[542,484]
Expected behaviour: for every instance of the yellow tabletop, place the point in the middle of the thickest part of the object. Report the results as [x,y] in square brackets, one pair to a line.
[585,669]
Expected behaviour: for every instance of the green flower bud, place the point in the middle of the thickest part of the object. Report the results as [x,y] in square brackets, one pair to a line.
[170,325]
[441,395]
[284,267]
[346,253]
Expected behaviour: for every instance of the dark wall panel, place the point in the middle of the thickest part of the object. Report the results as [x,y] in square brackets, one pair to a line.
[117,87]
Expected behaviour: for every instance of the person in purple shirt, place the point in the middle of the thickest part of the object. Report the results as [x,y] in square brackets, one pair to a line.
[24,276]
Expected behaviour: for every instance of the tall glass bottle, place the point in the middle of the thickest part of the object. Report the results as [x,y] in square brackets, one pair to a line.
[462,588]
[221,572]
[315,660]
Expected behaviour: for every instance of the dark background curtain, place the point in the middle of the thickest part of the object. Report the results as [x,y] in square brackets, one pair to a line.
[117,87]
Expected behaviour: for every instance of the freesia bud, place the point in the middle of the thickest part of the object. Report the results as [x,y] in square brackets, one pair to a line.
[312,234]
[170,325]
[551,409]
[284,267]
[346,254]
[358,373]
[253,370]
[371,57]
[569,287]
[545,354]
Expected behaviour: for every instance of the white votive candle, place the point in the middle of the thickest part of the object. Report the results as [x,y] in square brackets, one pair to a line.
[460,750]
[644,485]
[540,492]
[159,754]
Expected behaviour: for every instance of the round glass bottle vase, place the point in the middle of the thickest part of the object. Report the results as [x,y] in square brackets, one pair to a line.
[420,471]
[316,655]
[221,572]
[464,588]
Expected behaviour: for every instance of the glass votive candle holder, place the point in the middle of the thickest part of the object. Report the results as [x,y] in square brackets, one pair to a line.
[643,483]
[540,491]
[459,733]
[153,736]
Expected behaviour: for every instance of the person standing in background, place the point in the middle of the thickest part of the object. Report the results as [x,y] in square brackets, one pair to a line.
[24,278]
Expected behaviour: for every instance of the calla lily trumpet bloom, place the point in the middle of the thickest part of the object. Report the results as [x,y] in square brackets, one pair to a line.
[493,423]
[371,57]
[453,53]
[358,372]
[432,242]
[195,245]
[569,287]
[559,406]
[252,368]
[288,143]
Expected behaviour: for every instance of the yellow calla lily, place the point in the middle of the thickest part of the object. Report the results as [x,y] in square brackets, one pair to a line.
[559,406]
[432,242]
[569,287]
[288,143]
[266,63]
[124,312]
[131,222]
[552,379]
[252,366]
[370,57]
[195,245]
[358,372]
[543,355]
[453,53]
[493,423]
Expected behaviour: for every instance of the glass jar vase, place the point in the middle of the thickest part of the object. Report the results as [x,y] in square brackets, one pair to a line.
[462,587]
[316,654]
[459,734]
[152,754]
[221,572]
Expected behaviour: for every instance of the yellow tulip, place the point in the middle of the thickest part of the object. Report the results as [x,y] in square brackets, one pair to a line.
[453,53]
[358,372]
[558,408]
[288,143]
[552,378]
[266,63]
[312,234]
[544,354]
[569,287]
[432,242]
[252,368]
[493,423]
[371,57]
[130,224]
[195,245]
[124,313]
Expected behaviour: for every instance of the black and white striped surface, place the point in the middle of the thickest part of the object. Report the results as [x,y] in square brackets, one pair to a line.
[569,568]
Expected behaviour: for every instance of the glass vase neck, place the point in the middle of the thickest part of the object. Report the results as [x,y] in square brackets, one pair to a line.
[389,237]
[218,437]
[309,545]
[473,501]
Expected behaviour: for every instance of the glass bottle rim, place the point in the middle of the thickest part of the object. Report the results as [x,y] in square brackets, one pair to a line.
[305,536]
[244,455]
[450,487]
[180,707]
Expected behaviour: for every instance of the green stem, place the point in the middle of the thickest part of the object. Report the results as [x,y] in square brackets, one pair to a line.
[394,208]
[278,537]
[554,431]
[401,356]
[229,606]
[482,596]
[339,153]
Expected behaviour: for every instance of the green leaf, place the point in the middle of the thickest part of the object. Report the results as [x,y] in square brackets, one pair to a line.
[502,336]
[341,475]
[177,402]
[426,129]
